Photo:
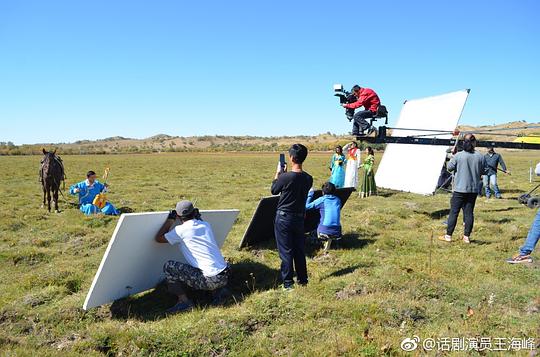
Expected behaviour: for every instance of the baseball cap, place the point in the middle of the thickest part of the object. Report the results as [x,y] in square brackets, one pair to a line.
[184,208]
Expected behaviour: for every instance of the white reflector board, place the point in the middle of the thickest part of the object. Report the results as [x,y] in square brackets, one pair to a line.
[133,261]
[416,168]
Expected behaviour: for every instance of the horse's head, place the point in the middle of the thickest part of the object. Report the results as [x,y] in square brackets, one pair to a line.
[48,161]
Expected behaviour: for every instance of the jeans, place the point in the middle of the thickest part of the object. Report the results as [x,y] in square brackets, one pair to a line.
[290,239]
[360,124]
[491,180]
[465,201]
[532,237]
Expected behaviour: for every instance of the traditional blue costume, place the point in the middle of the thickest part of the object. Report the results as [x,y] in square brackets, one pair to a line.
[337,165]
[87,193]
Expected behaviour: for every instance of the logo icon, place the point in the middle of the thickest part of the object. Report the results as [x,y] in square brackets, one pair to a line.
[410,344]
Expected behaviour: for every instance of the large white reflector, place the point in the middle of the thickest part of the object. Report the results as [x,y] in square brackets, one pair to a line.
[133,261]
[416,168]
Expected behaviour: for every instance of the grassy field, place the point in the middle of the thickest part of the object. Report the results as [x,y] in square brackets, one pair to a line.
[386,281]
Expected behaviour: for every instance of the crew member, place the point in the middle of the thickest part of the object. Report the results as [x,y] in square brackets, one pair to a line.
[293,188]
[469,166]
[329,206]
[524,255]
[368,99]
[493,160]
[205,268]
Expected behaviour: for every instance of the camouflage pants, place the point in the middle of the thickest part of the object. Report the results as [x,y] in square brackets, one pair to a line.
[177,272]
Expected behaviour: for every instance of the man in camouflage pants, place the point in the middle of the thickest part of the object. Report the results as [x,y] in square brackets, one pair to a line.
[205,268]
[177,272]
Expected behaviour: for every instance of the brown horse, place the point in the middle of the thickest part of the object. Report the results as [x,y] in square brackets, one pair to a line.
[51,175]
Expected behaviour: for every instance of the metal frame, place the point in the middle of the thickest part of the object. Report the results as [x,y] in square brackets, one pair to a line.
[383,138]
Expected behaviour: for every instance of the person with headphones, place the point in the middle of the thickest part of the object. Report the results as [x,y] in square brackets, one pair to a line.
[206,269]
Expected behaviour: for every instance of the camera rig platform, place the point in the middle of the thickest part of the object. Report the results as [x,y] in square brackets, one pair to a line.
[382,137]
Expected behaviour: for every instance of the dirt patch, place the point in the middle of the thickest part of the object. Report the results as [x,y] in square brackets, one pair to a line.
[411,205]
[258,253]
[67,342]
[253,325]
[534,306]
[324,257]
[351,291]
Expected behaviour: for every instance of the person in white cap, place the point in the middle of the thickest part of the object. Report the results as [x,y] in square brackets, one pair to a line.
[206,268]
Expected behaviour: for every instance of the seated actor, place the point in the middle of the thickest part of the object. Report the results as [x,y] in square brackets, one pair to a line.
[88,190]
[329,206]
[205,268]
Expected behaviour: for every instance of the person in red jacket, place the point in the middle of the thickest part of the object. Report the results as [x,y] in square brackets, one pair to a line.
[368,99]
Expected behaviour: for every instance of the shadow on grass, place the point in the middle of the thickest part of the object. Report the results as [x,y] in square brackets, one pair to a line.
[71,204]
[262,245]
[502,209]
[480,242]
[438,214]
[354,241]
[347,270]
[347,242]
[126,209]
[246,278]
[500,221]
[385,193]
[512,190]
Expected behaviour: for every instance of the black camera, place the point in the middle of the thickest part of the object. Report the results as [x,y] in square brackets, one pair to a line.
[345,97]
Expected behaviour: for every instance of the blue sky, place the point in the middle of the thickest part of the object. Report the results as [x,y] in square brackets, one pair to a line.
[74,70]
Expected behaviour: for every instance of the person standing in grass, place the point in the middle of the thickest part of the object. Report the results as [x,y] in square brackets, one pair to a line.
[353,163]
[369,187]
[493,160]
[205,269]
[337,167]
[293,187]
[468,166]
[524,255]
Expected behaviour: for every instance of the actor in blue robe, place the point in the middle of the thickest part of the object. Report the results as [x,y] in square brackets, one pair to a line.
[337,167]
[87,191]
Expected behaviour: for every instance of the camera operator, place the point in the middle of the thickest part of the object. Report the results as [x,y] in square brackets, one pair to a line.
[205,268]
[368,99]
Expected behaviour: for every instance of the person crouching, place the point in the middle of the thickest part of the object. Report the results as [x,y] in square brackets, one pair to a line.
[205,269]
[329,206]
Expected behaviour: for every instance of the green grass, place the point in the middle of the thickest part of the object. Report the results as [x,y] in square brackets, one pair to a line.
[364,297]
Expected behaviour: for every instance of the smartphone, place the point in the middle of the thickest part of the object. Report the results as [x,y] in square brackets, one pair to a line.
[282,161]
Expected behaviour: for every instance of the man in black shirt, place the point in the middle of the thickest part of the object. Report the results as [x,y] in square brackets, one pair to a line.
[293,188]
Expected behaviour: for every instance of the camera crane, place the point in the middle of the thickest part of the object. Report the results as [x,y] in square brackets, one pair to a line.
[429,138]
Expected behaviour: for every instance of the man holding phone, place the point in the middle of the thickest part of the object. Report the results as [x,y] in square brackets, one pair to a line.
[206,268]
[293,187]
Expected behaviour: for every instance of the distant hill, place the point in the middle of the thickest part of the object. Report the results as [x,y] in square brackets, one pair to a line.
[503,132]
[168,143]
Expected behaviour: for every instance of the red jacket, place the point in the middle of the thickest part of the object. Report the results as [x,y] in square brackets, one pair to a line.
[366,98]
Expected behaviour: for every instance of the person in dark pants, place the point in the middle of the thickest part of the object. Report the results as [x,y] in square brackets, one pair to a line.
[368,99]
[493,160]
[468,165]
[293,188]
